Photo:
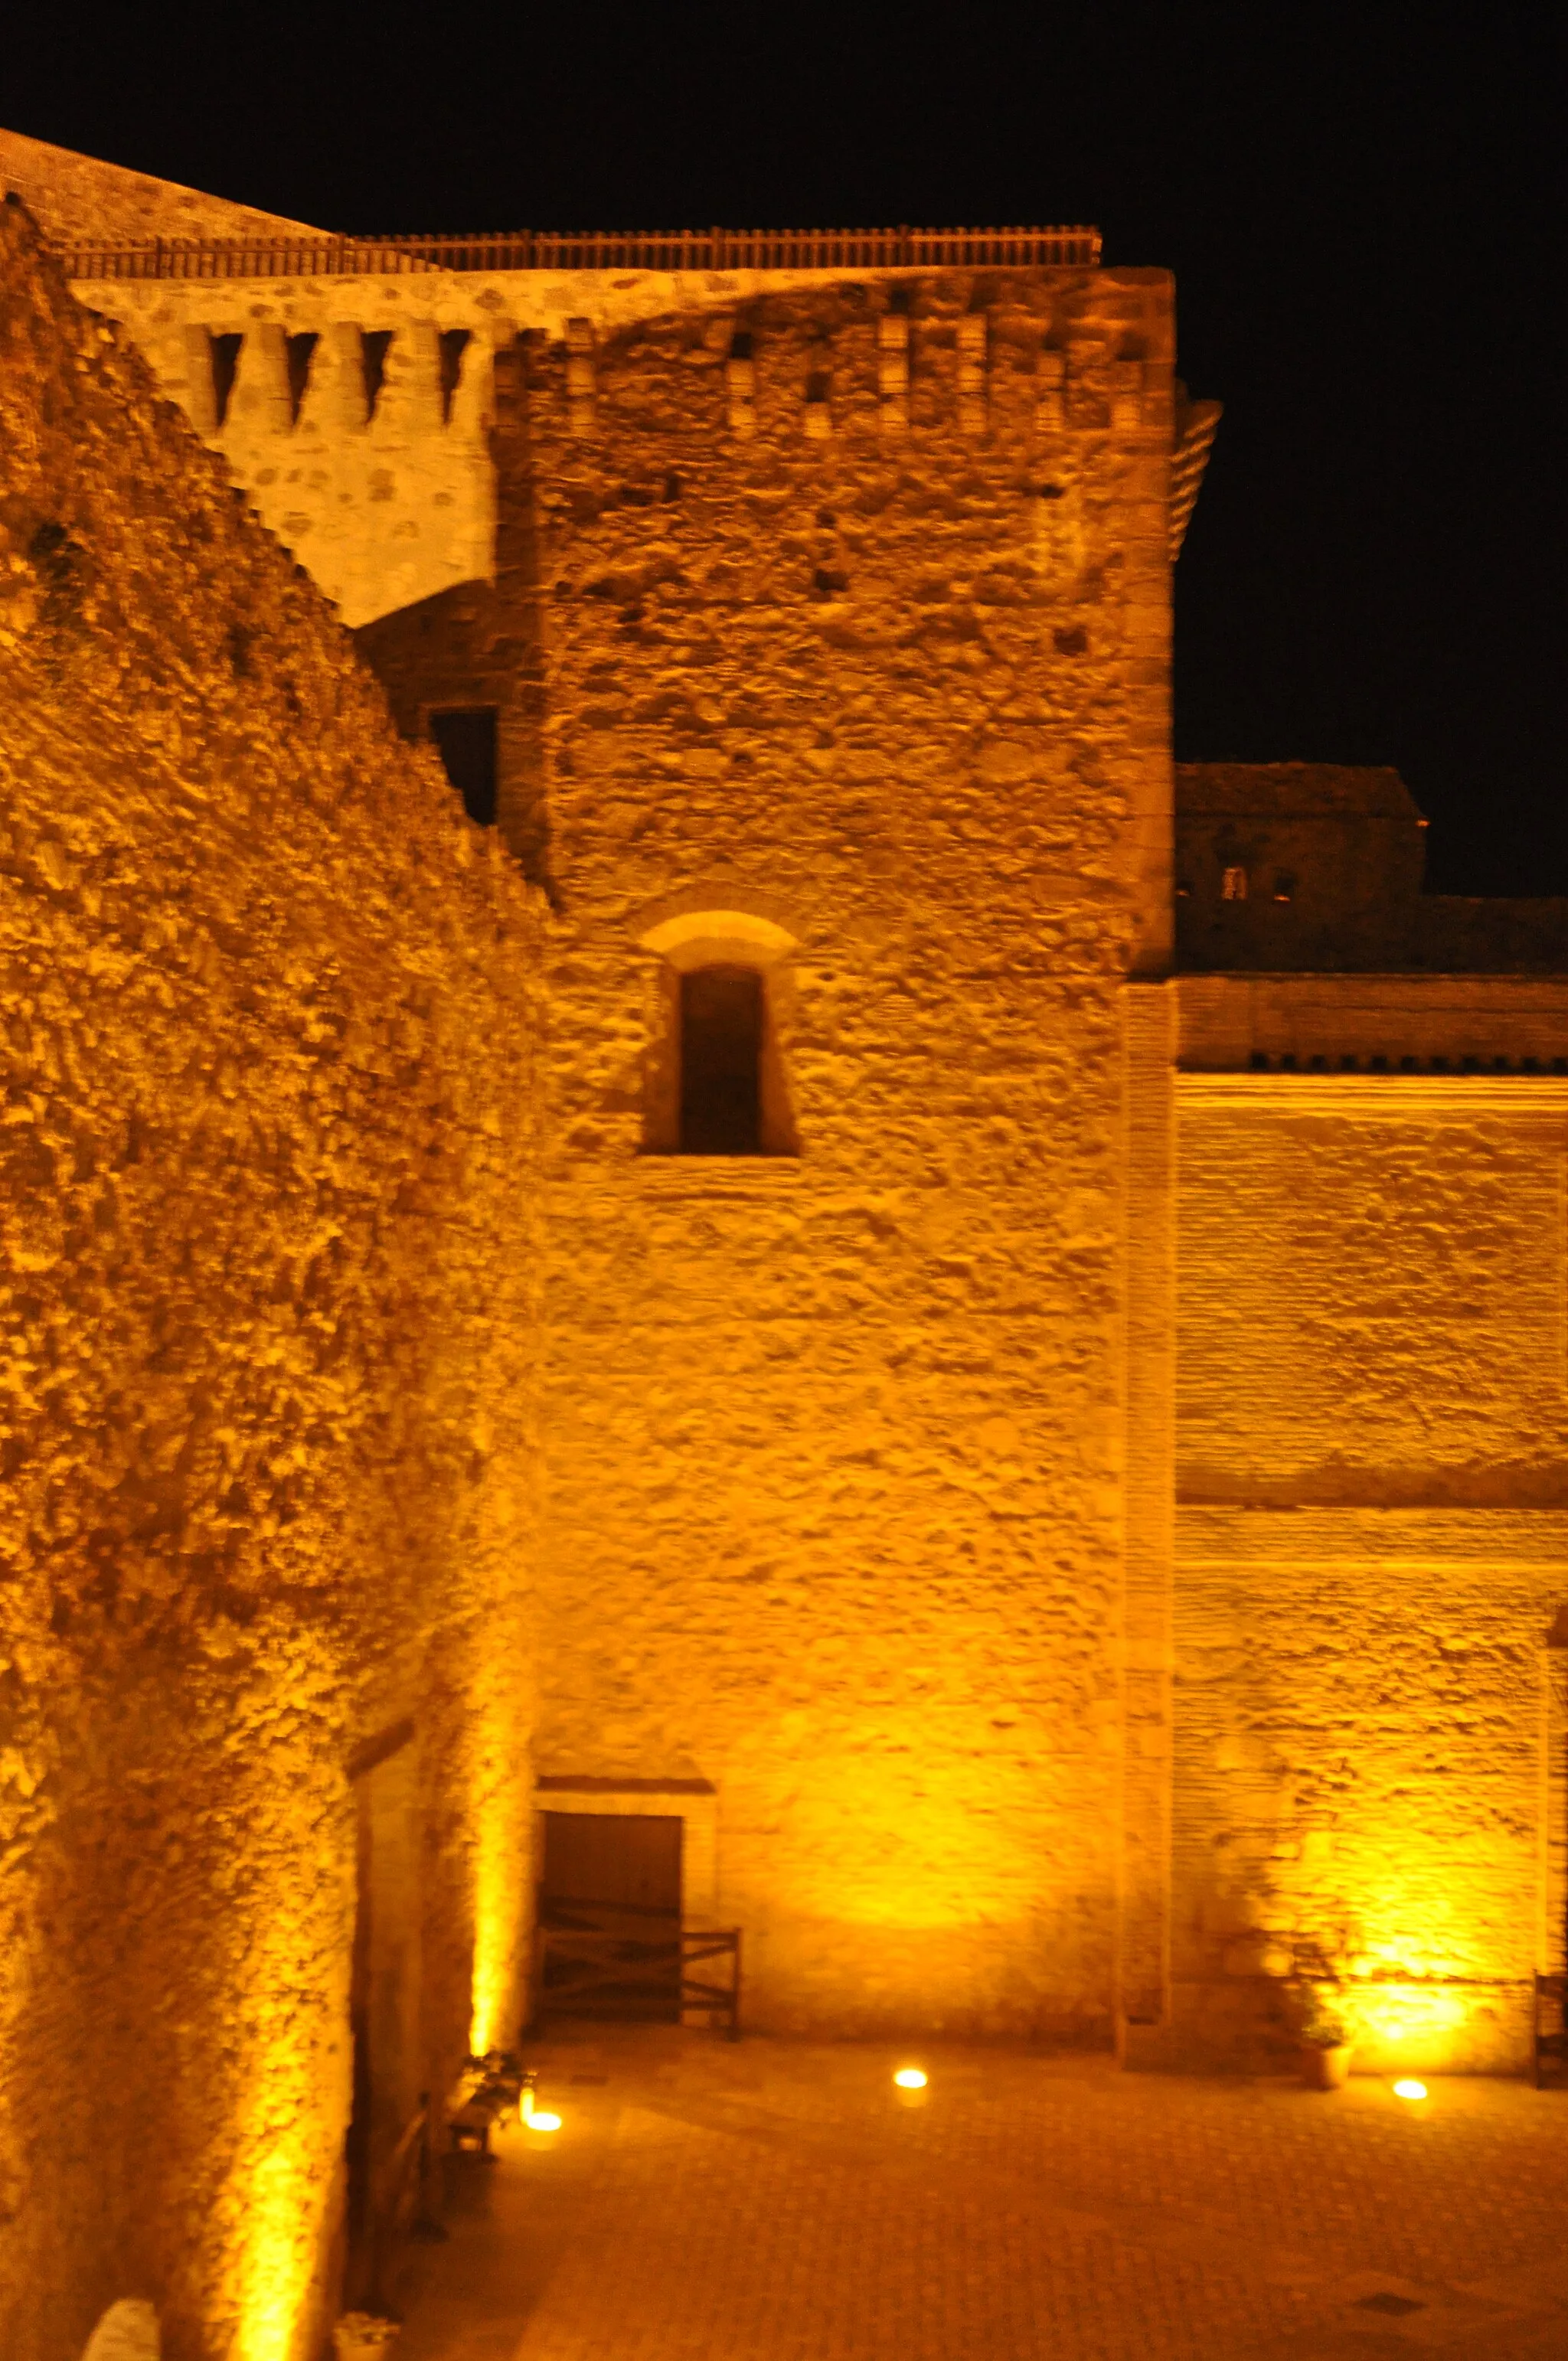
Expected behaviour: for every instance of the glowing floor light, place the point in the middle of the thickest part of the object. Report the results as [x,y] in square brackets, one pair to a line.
[910,2078]
[1409,2090]
[542,2121]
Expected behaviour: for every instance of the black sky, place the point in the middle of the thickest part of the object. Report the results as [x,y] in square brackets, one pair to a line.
[1361,207]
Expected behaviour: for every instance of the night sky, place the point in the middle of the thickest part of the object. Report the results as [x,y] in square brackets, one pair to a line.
[1361,208]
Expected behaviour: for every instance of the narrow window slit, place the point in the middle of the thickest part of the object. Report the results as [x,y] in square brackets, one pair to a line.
[455,343]
[301,350]
[225,367]
[377,342]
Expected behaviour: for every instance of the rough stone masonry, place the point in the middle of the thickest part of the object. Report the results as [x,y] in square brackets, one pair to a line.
[1069,1520]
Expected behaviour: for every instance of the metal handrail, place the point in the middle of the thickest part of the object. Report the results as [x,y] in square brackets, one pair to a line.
[679,249]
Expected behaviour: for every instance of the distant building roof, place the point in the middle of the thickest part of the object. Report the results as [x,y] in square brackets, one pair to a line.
[1293,791]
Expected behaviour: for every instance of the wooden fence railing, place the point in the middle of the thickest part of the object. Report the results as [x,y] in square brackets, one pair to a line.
[680,249]
[590,1972]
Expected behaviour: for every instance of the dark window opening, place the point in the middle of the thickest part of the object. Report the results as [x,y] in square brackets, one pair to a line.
[225,367]
[301,349]
[817,385]
[741,346]
[376,342]
[465,739]
[721,1061]
[454,345]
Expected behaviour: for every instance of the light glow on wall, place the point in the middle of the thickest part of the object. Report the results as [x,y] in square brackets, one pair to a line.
[284,2208]
[1415,2014]
[502,1807]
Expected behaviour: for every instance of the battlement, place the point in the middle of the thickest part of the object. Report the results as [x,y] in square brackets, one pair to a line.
[356,411]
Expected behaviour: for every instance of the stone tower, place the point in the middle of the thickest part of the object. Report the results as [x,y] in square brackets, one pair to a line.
[830,652]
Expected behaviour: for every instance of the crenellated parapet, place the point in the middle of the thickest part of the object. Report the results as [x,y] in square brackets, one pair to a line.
[937,493]
[356,411]
[359,432]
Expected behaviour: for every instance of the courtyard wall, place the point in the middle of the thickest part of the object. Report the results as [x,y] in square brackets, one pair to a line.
[1371,1730]
[270,1265]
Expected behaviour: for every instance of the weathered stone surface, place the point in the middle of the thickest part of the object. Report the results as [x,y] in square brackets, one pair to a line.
[836,1444]
[826,622]
[268,1266]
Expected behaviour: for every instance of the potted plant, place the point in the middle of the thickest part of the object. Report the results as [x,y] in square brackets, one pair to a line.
[1326,2041]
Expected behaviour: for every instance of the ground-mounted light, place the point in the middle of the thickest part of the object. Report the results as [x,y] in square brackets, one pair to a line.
[532,2118]
[910,2085]
[1407,2088]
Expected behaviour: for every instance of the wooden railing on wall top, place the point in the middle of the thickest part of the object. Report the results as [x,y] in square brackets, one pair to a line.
[681,249]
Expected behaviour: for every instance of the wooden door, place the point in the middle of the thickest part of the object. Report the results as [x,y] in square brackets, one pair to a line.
[610,1915]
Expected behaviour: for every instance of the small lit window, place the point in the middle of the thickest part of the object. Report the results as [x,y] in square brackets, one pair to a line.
[465,739]
[1233,885]
[721,1061]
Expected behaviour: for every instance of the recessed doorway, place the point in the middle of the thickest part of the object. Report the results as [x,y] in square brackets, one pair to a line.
[609,1915]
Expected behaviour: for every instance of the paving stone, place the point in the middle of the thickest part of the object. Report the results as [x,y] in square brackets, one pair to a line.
[773,2202]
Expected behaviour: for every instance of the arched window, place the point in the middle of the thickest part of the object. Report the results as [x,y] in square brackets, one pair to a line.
[716,1080]
[722,1013]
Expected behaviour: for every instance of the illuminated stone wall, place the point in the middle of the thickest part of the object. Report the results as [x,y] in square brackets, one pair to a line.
[269,1417]
[827,622]
[856,672]
[1370,1734]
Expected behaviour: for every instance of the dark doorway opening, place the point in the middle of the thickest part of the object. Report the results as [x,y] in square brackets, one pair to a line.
[609,1915]
[385,2010]
[465,739]
[721,1061]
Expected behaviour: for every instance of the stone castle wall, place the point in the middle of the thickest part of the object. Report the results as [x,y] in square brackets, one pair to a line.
[768,567]
[1371,1738]
[827,622]
[854,669]
[270,1264]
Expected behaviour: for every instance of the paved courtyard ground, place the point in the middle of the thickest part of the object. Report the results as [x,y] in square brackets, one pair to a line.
[773,2202]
